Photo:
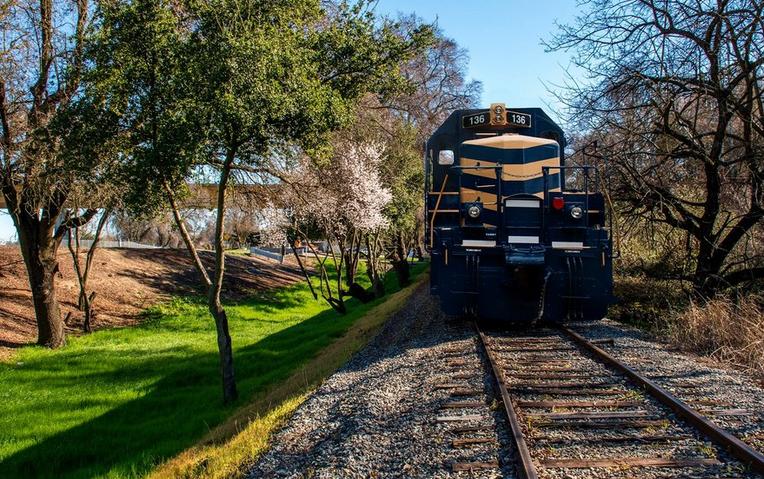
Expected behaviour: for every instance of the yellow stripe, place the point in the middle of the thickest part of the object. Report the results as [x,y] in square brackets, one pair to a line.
[527,171]
[468,195]
[512,141]
[485,173]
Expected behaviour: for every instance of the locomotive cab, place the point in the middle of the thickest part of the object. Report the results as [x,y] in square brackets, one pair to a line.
[514,234]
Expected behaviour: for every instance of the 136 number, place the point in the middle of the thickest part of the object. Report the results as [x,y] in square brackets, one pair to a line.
[517,119]
[477,120]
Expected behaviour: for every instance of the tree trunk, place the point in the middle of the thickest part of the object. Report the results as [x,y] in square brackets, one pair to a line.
[50,324]
[372,268]
[38,248]
[73,242]
[401,264]
[225,349]
[186,236]
[351,259]
[337,303]
[42,266]
[302,268]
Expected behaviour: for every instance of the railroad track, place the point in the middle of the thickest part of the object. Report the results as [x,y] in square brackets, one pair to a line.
[574,410]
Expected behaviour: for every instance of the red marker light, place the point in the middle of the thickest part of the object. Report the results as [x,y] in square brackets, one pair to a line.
[558,203]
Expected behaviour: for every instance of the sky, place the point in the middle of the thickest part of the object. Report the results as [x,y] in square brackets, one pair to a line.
[503,38]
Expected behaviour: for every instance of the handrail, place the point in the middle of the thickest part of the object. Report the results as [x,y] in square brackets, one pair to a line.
[435,212]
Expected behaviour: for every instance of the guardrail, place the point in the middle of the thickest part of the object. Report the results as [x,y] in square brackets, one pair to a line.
[85,244]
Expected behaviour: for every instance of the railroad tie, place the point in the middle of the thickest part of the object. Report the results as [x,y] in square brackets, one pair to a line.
[472,441]
[466,392]
[590,415]
[629,462]
[474,466]
[630,438]
[466,417]
[571,392]
[603,424]
[450,386]
[581,404]
[462,404]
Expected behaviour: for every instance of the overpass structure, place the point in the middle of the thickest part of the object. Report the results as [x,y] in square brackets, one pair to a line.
[204,196]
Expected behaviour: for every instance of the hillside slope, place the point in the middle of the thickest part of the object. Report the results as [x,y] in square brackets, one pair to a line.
[126,282]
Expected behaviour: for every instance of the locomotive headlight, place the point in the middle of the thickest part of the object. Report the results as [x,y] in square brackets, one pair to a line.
[576,212]
[473,211]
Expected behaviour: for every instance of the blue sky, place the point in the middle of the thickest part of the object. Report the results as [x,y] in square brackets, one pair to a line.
[503,38]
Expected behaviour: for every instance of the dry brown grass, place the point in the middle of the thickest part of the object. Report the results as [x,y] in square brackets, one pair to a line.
[731,331]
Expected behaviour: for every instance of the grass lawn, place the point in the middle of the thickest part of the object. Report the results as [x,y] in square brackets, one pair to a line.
[118,402]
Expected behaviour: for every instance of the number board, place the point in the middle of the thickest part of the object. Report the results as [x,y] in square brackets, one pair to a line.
[514,118]
[475,120]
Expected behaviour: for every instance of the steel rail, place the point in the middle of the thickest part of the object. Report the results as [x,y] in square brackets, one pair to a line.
[525,468]
[736,447]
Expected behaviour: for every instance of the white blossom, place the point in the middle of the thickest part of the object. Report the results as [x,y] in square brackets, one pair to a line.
[347,194]
[273,223]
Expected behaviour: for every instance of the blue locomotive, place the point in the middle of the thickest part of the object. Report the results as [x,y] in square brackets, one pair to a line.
[513,233]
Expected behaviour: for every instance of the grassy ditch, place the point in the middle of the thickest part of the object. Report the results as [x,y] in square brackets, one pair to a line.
[118,403]
[228,450]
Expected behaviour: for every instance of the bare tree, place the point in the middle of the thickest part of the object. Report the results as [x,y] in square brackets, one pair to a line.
[673,100]
[439,82]
[83,271]
[47,144]
[438,77]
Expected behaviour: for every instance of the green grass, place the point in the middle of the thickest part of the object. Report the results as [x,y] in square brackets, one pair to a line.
[118,402]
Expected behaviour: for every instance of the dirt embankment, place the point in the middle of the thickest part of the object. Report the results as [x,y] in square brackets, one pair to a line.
[126,281]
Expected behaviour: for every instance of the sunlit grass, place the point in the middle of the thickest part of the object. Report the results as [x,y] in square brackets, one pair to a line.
[229,450]
[118,402]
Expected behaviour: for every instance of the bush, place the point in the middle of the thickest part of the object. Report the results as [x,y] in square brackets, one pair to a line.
[645,302]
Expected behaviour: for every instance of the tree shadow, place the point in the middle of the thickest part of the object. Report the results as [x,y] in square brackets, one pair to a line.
[170,414]
[243,275]
[13,344]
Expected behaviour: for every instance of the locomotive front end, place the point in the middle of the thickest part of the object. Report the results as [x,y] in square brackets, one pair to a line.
[509,240]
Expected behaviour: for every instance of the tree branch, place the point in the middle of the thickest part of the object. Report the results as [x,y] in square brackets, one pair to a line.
[74,222]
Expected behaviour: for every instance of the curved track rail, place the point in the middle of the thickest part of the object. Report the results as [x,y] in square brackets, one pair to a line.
[529,374]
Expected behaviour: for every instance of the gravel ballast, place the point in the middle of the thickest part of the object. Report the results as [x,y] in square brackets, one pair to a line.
[689,377]
[381,415]
[386,412]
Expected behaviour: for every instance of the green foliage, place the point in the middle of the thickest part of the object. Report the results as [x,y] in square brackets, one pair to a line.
[118,402]
[404,175]
[139,57]
[202,80]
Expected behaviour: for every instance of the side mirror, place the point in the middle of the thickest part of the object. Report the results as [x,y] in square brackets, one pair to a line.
[446,157]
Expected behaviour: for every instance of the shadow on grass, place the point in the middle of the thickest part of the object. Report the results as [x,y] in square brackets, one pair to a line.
[171,413]
[178,409]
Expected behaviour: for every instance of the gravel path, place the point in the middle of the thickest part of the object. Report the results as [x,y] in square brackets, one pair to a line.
[386,413]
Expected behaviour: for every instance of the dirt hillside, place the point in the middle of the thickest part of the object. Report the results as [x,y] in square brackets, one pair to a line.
[126,282]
